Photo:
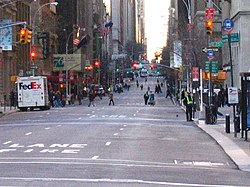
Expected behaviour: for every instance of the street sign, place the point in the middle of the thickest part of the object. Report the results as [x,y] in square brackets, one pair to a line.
[29,72]
[195,73]
[217,44]
[58,62]
[228,25]
[211,66]
[209,12]
[234,37]
[207,66]
[214,66]
[205,50]
[210,54]
[233,95]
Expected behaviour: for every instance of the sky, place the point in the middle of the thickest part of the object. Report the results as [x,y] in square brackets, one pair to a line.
[156,20]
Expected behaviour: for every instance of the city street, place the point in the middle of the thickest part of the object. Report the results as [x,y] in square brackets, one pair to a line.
[129,144]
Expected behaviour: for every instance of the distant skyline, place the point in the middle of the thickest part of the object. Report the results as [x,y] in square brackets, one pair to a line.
[156,23]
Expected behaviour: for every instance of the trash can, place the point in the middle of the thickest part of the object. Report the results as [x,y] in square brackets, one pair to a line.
[211,114]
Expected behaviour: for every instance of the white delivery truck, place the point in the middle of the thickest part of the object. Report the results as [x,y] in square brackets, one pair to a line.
[33,93]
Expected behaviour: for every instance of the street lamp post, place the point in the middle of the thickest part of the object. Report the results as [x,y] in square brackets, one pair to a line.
[33,30]
[34,18]
[66,67]
[188,7]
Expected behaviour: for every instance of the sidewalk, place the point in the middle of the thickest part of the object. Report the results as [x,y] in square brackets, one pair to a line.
[235,147]
[7,110]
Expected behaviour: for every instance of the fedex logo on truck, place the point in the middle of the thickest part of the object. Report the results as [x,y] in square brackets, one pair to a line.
[31,86]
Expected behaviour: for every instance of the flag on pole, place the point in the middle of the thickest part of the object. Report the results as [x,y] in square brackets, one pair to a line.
[105,30]
[76,41]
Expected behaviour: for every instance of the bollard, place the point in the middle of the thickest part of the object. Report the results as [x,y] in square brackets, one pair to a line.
[237,124]
[227,123]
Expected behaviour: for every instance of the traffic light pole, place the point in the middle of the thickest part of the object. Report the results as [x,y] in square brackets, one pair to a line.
[232,77]
[13,24]
[67,69]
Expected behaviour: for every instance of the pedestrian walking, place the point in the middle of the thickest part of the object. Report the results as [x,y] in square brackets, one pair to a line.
[141,86]
[151,98]
[188,102]
[91,98]
[146,97]
[168,93]
[79,97]
[221,95]
[111,98]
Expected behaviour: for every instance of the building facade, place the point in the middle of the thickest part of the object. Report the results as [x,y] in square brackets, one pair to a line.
[239,12]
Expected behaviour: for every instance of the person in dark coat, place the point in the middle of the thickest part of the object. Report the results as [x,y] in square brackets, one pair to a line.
[91,98]
[146,97]
[221,96]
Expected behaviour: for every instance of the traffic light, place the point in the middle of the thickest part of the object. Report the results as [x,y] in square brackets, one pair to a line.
[22,35]
[28,36]
[89,67]
[33,55]
[209,26]
[97,63]
[135,65]
[157,54]
[152,66]
[61,85]
[117,69]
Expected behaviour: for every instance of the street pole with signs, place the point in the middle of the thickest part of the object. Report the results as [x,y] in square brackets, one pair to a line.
[228,26]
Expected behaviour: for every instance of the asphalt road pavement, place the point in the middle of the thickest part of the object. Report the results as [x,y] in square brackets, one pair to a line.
[129,144]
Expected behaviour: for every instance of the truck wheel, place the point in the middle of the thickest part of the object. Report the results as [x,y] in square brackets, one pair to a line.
[23,109]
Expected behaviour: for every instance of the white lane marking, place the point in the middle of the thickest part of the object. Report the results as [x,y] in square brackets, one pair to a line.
[47,128]
[122,116]
[137,111]
[116,134]
[59,125]
[124,125]
[48,114]
[79,118]
[116,162]
[27,120]
[93,111]
[122,181]
[134,114]
[5,143]
[108,143]
[95,157]
[28,151]
[41,116]
[92,116]
[175,162]
[121,129]
[29,133]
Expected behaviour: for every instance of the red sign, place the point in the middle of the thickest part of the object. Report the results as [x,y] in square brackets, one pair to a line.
[60,76]
[195,74]
[209,13]
[71,74]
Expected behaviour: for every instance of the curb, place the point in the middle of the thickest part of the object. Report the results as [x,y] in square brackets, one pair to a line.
[237,155]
